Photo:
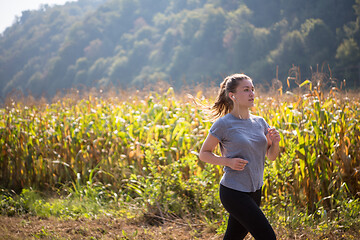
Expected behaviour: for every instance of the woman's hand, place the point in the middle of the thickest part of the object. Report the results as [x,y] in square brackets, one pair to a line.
[237,163]
[273,136]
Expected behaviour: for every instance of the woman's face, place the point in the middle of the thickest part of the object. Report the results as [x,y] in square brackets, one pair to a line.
[245,94]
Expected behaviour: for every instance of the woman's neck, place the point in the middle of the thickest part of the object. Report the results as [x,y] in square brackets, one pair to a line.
[241,113]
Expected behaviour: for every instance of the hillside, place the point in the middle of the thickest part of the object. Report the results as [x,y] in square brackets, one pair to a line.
[122,43]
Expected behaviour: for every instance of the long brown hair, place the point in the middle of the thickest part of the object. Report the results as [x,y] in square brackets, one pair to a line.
[223,104]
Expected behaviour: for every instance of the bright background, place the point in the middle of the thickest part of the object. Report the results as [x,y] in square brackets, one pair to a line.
[9,9]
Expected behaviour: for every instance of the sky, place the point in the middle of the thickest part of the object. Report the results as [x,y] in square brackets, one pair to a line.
[11,8]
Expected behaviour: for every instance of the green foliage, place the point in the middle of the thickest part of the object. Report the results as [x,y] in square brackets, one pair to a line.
[178,188]
[126,43]
[138,157]
[10,205]
[348,51]
[326,150]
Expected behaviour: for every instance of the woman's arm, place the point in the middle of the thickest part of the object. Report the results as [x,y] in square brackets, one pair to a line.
[206,154]
[273,138]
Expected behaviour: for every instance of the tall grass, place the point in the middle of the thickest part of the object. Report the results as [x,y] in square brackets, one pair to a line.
[145,149]
[320,147]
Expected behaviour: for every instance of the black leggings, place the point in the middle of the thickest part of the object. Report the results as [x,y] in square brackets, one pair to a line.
[245,215]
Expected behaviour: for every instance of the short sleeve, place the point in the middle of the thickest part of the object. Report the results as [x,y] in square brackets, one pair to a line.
[218,129]
[266,126]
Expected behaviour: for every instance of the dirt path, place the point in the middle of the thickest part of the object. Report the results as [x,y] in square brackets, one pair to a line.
[30,227]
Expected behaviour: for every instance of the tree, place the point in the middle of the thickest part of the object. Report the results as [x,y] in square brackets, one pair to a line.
[318,39]
[124,42]
[348,52]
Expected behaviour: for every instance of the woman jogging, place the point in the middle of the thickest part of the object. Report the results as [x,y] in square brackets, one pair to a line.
[244,140]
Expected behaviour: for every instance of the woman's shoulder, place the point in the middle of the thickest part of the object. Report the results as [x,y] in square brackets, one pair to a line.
[223,118]
[258,119]
[221,121]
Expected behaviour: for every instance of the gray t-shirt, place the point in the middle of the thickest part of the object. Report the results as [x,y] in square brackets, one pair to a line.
[246,139]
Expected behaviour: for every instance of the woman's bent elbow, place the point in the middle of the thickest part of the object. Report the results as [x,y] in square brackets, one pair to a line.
[202,156]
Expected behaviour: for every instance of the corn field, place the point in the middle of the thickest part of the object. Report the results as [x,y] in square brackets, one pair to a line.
[147,148]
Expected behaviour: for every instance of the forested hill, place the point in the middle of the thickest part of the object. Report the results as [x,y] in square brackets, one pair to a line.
[137,42]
